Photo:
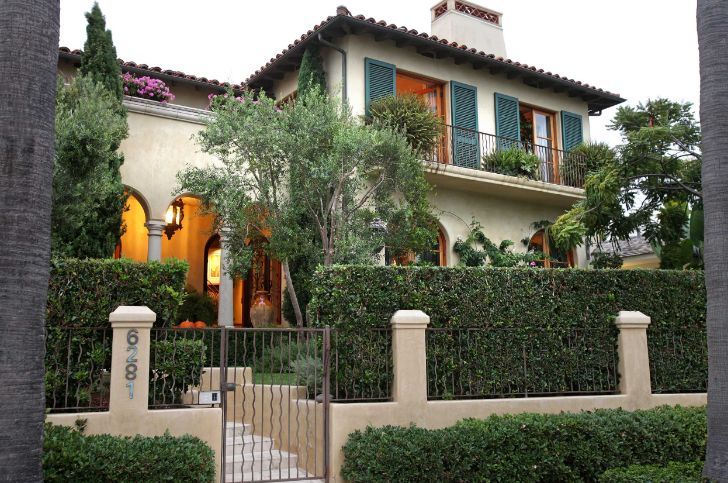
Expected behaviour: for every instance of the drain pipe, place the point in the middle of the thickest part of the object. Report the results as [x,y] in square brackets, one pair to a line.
[343,65]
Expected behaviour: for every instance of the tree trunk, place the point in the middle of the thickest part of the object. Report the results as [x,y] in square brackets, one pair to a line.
[713,42]
[292,293]
[28,65]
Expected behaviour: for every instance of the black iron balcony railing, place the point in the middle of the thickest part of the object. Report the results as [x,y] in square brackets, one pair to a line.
[486,152]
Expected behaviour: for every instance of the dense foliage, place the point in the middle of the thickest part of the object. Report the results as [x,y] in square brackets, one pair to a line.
[147,88]
[411,116]
[477,250]
[69,455]
[311,72]
[176,363]
[88,195]
[82,293]
[606,260]
[527,447]
[308,175]
[98,60]
[512,161]
[657,165]
[673,472]
[526,300]
[197,306]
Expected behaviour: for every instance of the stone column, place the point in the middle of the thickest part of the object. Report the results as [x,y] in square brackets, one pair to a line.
[409,357]
[155,229]
[634,360]
[225,313]
[130,359]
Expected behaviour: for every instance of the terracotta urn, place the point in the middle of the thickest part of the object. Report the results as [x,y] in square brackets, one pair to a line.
[261,310]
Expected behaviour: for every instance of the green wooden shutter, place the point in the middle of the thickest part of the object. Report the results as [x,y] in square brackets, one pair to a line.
[571,130]
[464,102]
[507,120]
[380,80]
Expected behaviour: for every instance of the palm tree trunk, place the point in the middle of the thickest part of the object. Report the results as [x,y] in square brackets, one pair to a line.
[712,39]
[28,64]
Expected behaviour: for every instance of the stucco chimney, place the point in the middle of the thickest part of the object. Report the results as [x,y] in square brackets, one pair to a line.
[469,24]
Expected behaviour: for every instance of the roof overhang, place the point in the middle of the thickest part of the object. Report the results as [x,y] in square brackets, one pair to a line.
[429,46]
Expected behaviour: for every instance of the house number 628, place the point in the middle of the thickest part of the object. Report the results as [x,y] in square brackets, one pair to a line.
[132,339]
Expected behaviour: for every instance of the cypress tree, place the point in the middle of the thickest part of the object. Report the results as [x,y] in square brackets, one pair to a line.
[311,72]
[98,60]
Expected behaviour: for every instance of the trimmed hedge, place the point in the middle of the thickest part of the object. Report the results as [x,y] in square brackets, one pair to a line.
[526,300]
[672,473]
[82,293]
[527,447]
[68,455]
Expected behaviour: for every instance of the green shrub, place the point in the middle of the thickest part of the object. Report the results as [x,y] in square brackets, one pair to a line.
[81,295]
[175,364]
[527,447]
[525,300]
[309,372]
[512,161]
[601,260]
[197,306]
[69,455]
[411,116]
[674,472]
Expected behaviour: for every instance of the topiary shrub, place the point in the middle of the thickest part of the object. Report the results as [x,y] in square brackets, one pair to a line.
[674,472]
[411,116]
[527,447]
[512,161]
[69,455]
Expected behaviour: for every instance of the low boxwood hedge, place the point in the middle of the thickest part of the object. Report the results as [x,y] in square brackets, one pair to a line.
[528,302]
[69,455]
[674,472]
[527,447]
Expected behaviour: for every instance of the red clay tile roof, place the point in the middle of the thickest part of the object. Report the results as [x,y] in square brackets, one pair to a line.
[607,98]
[155,71]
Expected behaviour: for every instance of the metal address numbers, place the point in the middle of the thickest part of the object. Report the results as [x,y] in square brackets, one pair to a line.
[132,339]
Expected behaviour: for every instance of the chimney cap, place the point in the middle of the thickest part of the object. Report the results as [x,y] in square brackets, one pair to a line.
[342,10]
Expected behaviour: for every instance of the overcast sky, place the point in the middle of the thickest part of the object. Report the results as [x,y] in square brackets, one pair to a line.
[638,48]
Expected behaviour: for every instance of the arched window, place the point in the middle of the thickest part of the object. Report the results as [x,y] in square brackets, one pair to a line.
[542,242]
[435,256]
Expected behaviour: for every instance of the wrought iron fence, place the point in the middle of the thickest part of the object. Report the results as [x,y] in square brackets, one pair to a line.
[678,359]
[514,362]
[487,152]
[77,368]
[361,364]
[178,360]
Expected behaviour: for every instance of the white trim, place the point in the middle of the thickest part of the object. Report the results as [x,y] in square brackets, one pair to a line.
[169,111]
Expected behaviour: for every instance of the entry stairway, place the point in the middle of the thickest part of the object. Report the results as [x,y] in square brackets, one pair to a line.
[250,458]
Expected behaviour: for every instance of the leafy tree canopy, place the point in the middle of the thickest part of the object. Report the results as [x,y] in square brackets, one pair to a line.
[656,167]
[308,175]
[98,60]
[88,195]
[311,73]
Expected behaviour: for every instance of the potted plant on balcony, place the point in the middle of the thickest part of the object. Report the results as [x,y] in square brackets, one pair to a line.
[147,88]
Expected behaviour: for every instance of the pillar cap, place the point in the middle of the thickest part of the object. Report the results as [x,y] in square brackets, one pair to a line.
[632,320]
[410,319]
[132,315]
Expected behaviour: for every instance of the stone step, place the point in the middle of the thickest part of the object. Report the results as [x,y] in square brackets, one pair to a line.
[283,474]
[237,429]
[266,461]
[249,443]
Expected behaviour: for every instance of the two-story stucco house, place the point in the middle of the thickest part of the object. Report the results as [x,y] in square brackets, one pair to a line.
[486,100]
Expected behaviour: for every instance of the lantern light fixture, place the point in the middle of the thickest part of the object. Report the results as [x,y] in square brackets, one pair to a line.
[174,216]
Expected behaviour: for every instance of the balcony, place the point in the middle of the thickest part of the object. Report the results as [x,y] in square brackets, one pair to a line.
[480,151]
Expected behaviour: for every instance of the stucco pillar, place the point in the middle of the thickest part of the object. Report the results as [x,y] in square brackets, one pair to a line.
[225,313]
[154,240]
[130,359]
[634,360]
[409,357]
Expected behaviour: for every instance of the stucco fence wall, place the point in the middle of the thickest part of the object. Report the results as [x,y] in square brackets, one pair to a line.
[409,390]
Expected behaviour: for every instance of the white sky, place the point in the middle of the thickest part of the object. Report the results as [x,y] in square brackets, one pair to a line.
[638,48]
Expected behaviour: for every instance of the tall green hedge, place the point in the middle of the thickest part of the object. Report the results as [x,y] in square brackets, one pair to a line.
[69,455]
[82,293]
[351,298]
[527,447]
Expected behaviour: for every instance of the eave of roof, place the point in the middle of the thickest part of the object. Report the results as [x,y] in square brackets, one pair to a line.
[429,45]
[158,72]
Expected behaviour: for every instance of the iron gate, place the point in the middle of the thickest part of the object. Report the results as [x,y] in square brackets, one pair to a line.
[275,404]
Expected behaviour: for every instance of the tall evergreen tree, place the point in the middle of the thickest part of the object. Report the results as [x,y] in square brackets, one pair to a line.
[98,60]
[311,73]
